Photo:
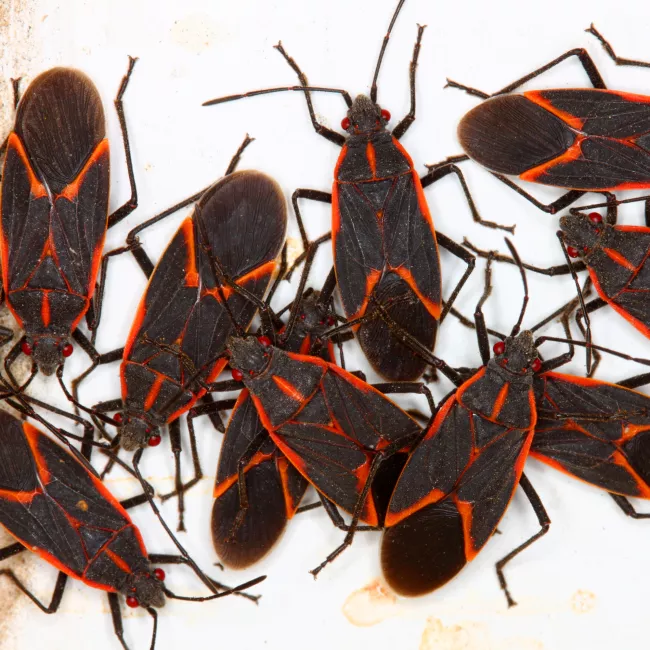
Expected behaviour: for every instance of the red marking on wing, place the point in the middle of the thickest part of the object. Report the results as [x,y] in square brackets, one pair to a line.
[574,152]
[19,497]
[371,280]
[465,511]
[256,273]
[290,505]
[191,273]
[434,308]
[32,435]
[536,97]
[436,494]
[226,484]
[642,327]
[37,188]
[71,191]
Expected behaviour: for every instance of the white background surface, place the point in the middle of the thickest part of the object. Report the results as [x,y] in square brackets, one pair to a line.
[585,585]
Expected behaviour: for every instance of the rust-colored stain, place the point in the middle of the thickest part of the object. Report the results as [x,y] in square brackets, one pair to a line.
[583,601]
[470,636]
[370,605]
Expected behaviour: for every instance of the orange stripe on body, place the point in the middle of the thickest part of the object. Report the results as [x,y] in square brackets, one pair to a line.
[500,401]
[288,389]
[117,560]
[574,152]
[371,155]
[153,392]
[536,97]
[45,308]
[619,259]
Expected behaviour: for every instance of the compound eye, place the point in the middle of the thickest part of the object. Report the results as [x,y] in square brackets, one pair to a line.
[27,348]
[345,123]
[385,115]
[536,365]
[264,340]
[572,251]
[499,348]
[595,218]
[67,350]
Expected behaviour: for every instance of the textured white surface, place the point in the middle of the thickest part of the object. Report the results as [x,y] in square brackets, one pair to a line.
[585,584]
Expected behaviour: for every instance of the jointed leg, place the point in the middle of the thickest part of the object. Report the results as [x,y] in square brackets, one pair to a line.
[377,460]
[327,133]
[544,522]
[583,56]
[132,240]
[628,508]
[126,209]
[468,258]
[409,118]
[444,168]
[211,409]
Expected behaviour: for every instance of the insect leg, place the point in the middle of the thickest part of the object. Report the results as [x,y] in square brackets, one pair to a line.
[628,508]
[544,522]
[409,118]
[444,168]
[468,258]
[213,409]
[126,209]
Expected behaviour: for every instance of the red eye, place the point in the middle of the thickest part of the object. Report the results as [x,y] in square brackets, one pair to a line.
[26,348]
[385,115]
[345,123]
[154,441]
[303,316]
[536,365]
[251,373]
[572,252]
[67,349]
[331,320]
[159,574]
[595,218]
[499,347]
[117,418]
[264,340]
[237,375]
[132,601]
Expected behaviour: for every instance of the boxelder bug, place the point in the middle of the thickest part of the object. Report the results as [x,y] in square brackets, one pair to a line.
[586,139]
[185,315]
[459,480]
[250,513]
[383,237]
[54,505]
[333,427]
[55,188]
[616,258]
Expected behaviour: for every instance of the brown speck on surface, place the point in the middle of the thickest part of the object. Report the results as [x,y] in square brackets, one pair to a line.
[82,505]
[370,605]
[583,601]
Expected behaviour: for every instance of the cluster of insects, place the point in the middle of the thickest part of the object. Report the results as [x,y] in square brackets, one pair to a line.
[435,484]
